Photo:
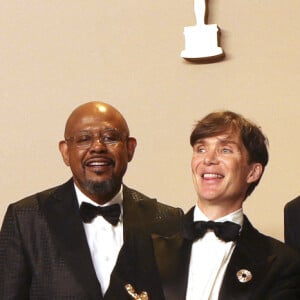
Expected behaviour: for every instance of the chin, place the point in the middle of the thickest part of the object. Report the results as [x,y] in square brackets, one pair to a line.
[103,187]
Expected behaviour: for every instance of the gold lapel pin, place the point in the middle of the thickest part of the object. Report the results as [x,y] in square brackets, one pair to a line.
[244,275]
[130,290]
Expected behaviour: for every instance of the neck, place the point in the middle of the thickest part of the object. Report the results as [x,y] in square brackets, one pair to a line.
[214,212]
[102,198]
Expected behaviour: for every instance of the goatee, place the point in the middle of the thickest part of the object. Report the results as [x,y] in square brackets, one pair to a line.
[103,188]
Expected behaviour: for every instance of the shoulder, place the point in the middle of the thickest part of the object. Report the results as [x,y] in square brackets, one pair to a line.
[30,203]
[145,201]
[134,194]
[154,215]
[275,266]
[270,259]
[293,206]
[31,210]
[265,245]
[33,202]
[284,267]
[163,209]
[139,197]
[284,252]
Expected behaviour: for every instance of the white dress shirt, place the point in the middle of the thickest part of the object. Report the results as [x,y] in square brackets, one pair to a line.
[209,259]
[104,239]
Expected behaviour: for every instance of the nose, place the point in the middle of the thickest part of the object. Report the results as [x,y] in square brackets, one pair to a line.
[211,157]
[97,145]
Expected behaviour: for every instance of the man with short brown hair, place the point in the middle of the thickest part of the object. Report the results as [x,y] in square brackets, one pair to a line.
[218,254]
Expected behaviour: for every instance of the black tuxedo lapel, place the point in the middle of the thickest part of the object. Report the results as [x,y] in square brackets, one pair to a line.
[247,255]
[135,266]
[61,211]
[172,255]
[172,258]
[135,212]
[141,215]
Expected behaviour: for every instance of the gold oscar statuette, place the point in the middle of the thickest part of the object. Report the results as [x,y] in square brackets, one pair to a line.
[130,290]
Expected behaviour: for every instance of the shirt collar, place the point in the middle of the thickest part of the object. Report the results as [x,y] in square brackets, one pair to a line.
[236,216]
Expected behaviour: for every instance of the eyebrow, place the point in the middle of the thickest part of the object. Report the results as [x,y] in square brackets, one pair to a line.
[221,141]
[98,130]
[227,141]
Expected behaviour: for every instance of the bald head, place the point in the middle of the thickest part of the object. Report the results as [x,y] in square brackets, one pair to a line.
[98,167]
[89,111]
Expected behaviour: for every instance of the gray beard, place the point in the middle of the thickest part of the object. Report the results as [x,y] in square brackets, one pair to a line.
[104,188]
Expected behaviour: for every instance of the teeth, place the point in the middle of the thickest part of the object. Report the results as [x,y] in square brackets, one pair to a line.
[98,164]
[212,175]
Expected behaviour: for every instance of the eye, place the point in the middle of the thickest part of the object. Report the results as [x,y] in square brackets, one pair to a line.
[199,149]
[83,138]
[226,150]
[110,137]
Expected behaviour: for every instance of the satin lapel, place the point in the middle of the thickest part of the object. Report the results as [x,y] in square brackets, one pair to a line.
[172,255]
[120,276]
[135,266]
[61,211]
[124,272]
[250,255]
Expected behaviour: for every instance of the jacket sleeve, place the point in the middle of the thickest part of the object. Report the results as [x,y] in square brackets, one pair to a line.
[15,271]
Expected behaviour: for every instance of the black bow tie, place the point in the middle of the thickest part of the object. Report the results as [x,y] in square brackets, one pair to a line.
[110,213]
[226,231]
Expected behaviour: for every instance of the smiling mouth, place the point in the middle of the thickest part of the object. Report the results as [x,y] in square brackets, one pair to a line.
[99,163]
[212,176]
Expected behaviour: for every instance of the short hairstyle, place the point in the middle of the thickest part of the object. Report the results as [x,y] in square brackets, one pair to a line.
[219,122]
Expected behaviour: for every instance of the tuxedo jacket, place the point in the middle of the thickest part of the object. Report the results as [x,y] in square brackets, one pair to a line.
[161,266]
[292,223]
[43,247]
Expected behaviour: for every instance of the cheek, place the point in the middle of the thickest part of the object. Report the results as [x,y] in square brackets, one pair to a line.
[75,160]
[120,155]
[195,163]
[239,174]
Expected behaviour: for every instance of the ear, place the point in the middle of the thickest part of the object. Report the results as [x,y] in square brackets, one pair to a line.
[131,144]
[64,150]
[255,172]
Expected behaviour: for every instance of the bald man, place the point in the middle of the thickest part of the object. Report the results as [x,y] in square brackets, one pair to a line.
[64,243]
